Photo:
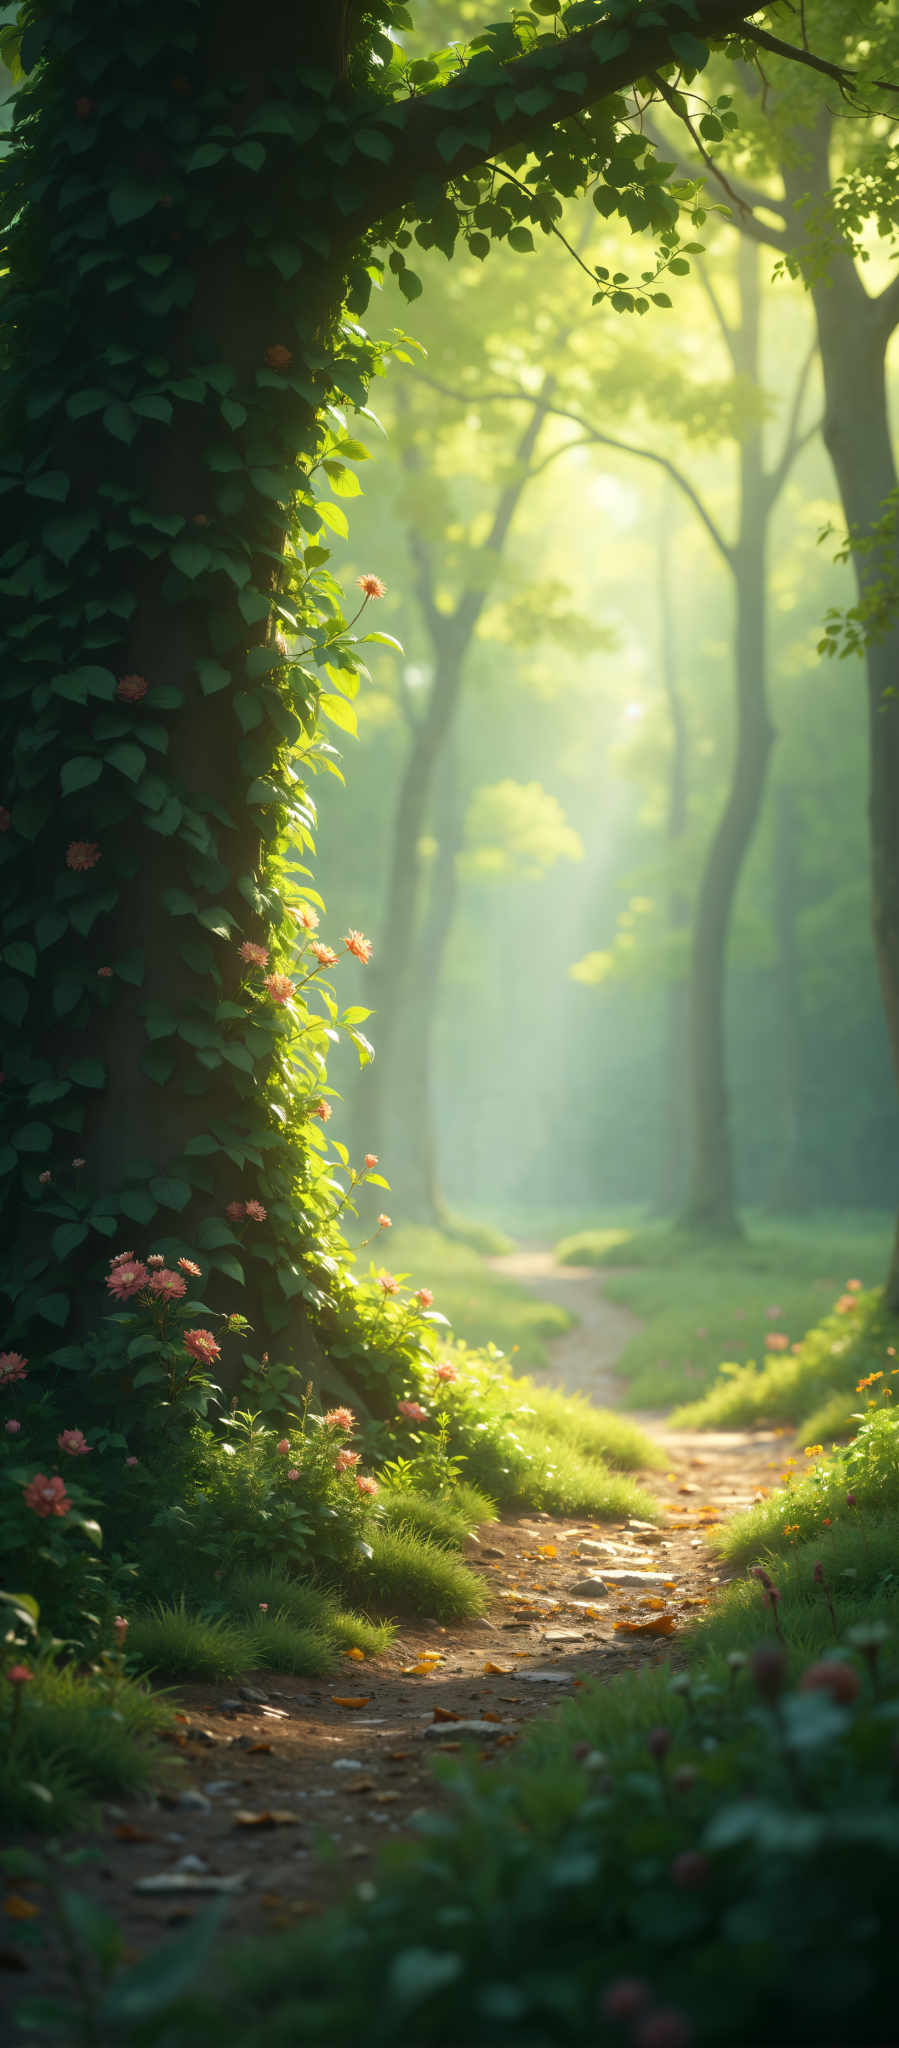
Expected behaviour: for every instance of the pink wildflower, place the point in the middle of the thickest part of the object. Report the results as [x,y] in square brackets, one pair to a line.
[367,1486]
[278,357]
[304,914]
[372,586]
[340,1418]
[82,854]
[19,1674]
[167,1286]
[323,1110]
[46,1496]
[776,1341]
[846,1304]
[263,1606]
[12,1427]
[384,1223]
[45,1178]
[130,689]
[325,955]
[284,1448]
[130,1462]
[840,1680]
[255,956]
[256,1212]
[156,1259]
[356,943]
[345,1460]
[280,987]
[190,1266]
[853,1286]
[371,1159]
[293,1472]
[413,1410]
[424,1297]
[127,1278]
[120,1258]
[12,1367]
[72,1442]
[388,1283]
[202,1345]
[446,1371]
[120,1628]
[235,1211]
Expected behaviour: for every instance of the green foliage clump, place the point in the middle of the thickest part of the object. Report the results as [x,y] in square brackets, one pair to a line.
[801,1386]
[444,1518]
[410,1575]
[172,1642]
[72,1736]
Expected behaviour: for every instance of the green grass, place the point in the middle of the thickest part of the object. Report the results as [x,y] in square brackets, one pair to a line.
[447,1519]
[308,1607]
[571,1420]
[484,1307]
[79,1740]
[700,1306]
[171,1641]
[813,1388]
[408,1575]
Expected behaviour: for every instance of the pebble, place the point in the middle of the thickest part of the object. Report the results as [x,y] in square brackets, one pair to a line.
[194,1802]
[649,1582]
[251,1692]
[179,1881]
[589,1589]
[447,1731]
[191,1866]
[346,1763]
[218,1785]
[490,1550]
[546,1677]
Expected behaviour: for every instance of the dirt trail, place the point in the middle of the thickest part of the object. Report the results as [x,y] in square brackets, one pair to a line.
[285,1786]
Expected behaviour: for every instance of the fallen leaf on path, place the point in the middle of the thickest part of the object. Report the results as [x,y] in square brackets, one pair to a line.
[662,1625]
[127,1833]
[18,1908]
[495,1670]
[397,1756]
[384,1798]
[259,1749]
[271,1817]
[362,1785]
[336,1701]
[358,1654]
[651,1600]
[547,1550]
[445,1714]
[491,1717]
[415,1671]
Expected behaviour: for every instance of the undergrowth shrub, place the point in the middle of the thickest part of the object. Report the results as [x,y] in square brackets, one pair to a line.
[829,1361]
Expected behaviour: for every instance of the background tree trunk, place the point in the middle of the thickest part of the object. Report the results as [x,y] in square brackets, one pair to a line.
[675,1051]
[786,1193]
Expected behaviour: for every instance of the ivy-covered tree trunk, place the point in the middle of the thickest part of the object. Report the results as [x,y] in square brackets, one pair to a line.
[417,1184]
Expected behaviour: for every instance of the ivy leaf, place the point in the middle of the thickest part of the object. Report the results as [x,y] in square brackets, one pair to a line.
[129,201]
[52,483]
[32,1138]
[250,153]
[79,773]
[191,557]
[88,1073]
[55,1309]
[212,677]
[340,713]
[21,957]
[64,537]
[119,421]
[129,759]
[372,143]
[171,1194]
[135,1202]
[67,1238]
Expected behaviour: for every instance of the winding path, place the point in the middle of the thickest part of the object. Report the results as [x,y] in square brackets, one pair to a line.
[583,1360]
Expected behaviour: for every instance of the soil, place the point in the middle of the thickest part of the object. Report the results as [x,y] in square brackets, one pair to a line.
[288,1786]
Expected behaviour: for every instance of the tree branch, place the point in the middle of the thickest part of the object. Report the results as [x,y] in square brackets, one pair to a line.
[744,198]
[887,303]
[846,80]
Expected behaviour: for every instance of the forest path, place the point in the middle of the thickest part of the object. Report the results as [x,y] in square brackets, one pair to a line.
[281,1789]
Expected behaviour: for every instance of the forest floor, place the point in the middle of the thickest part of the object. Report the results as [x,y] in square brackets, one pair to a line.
[281,1790]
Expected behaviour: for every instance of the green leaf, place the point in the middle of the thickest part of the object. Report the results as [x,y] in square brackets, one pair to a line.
[153,407]
[52,483]
[79,773]
[13,1002]
[226,1263]
[520,238]
[21,957]
[332,516]
[129,201]
[135,1202]
[54,1308]
[129,759]
[191,557]
[159,1067]
[253,607]
[32,1138]
[212,677]
[50,927]
[119,420]
[205,156]
[130,967]
[371,142]
[67,991]
[339,712]
[90,1073]
[64,537]
[250,153]
[410,284]
[171,1194]
[67,1238]
[234,413]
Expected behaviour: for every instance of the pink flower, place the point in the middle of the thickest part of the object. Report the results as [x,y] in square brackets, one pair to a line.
[339,1418]
[384,1223]
[128,1276]
[323,1110]
[371,1159]
[367,1486]
[283,1448]
[235,1211]
[625,1998]
[202,1345]
[325,955]
[5,818]
[130,1462]
[190,1266]
[72,1442]
[776,1341]
[104,973]
[773,1312]
[156,1259]
[372,586]
[45,1178]
[278,357]
[304,914]
[345,1460]
[79,1162]
[167,1286]
[846,1304]
[293,1472]
[12,1427]
[46,1496]
[446,1371]
[255,956]
[424,1297]
[19,1674]
[388,1283]
[853,1286]
[413,1410]
[120,1258]
[280,987]
[82,854]
[263,1606]
[120,1628]
[256,1212]
[12,1367]
[664,2028]
[355,943]
[130,689]
[840,1680]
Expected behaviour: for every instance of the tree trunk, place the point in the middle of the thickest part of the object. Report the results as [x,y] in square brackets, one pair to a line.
[786,1193]
[711,1202]
[419,1196]
[676,1046]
